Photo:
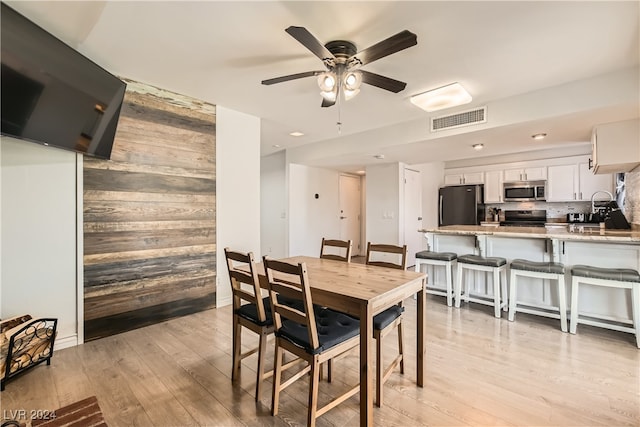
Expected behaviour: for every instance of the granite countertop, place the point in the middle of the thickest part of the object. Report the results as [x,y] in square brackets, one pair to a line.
[589,233]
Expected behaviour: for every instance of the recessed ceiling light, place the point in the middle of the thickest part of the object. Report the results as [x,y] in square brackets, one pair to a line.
[443,97]
[296,133]
[478,146]
[360,172]
[379,156]
[276,145]
[539,136]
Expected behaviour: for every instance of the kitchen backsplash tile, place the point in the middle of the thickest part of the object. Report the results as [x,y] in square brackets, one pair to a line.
[554,210]
[632,197]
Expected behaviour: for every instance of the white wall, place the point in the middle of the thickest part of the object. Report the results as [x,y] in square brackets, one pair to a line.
[311,219]
[38,235]
[383,220]
[432,180]
[273,205]
[237,190]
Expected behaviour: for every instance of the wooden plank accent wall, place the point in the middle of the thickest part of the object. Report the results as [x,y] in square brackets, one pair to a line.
[149,215]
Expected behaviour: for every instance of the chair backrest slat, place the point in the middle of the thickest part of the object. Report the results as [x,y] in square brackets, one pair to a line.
[346,245]
[400,251]
[292,281]
[242,269]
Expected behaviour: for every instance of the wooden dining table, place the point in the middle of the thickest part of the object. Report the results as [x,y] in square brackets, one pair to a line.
[364,291]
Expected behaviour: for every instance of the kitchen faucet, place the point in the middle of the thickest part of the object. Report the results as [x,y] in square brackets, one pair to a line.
[593,207]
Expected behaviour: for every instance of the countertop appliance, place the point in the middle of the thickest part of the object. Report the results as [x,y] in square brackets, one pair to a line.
[601,206]
[524,191]
[533,218]
[615,218]
[461,205]
[584,218]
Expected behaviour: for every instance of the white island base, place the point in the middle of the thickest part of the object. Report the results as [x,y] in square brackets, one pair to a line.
[607,249]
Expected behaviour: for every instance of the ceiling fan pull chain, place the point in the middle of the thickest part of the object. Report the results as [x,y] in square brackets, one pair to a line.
[339,122]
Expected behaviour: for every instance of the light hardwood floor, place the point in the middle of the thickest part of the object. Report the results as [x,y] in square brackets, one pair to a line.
[480,371]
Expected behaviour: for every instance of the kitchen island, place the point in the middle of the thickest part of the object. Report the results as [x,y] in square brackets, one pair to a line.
[591,246]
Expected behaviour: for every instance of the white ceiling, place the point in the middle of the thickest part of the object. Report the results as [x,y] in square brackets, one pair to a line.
[524,60]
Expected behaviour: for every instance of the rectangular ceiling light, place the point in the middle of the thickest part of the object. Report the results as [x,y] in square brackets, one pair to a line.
[443,97]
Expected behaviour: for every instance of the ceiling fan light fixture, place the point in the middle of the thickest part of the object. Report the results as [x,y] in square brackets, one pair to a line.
[350,94]
[329,95]
[448,96]
[352,80]
[327,81]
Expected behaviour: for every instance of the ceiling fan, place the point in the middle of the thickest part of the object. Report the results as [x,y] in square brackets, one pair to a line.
[343,62]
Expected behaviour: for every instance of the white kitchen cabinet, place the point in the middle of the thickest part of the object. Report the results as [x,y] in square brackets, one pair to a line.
[562,183]
[590,183]
[575,182]
[453,179]
[464,178]
[616,146]
[493,181]
[525,174]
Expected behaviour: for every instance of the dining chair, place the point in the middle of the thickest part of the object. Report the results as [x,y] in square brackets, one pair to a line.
[341,246]
[255,315]
[383,323]
[314,336]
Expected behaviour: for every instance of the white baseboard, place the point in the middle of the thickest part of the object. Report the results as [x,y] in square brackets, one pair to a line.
[65,342]
[224,301]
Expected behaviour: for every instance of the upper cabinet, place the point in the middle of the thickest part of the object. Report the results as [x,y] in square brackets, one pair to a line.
[525,174]
[590,183]
[616,146]
[464,178]
[493,181]
[575,182]
[562,183]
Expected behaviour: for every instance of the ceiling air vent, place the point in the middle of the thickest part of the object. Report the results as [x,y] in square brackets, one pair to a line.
[465,118]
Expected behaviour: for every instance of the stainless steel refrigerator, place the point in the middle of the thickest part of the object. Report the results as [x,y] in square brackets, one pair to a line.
[461,205]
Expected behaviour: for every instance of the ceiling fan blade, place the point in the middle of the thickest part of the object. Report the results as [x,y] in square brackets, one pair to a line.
[310,42]
[382,82]
[393,44]
[291,77]
[327,103]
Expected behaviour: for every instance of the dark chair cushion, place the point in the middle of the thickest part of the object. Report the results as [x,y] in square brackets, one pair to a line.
[478,260]
[291,302]
[250,312]
[297,303]
[438,256]
[538,267]
[619,274]
[384,319]
[333,328]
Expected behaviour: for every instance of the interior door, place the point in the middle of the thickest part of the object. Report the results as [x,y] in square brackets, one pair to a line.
[350,202]
[412,213]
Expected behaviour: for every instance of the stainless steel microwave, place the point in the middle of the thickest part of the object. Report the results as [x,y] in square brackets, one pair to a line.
[524,191]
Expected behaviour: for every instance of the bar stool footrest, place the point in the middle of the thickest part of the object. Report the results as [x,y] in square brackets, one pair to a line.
[540,311]
[606,325]
[482,300]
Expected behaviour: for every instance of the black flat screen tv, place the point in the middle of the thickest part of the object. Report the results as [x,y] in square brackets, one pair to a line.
[53,95]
